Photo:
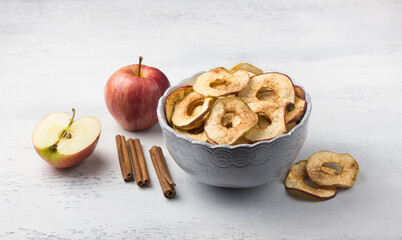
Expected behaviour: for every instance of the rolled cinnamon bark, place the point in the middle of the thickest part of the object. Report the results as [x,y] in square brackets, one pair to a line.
[159,162]
[141,160]
[136,165]
[140,167]
[163,166]
[124,159]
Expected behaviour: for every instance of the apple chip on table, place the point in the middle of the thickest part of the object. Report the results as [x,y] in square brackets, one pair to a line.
[237,106]
[325,179]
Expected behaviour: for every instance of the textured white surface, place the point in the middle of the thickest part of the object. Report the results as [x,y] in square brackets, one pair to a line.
[55,55]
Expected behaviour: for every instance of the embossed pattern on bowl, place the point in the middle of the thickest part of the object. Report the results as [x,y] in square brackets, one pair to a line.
[240,166]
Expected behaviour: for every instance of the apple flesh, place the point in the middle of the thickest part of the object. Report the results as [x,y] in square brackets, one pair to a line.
[63,142]
[247,67]
[132,95]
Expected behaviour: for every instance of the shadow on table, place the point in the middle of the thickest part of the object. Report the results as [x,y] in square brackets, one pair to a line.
[237,195]
[150,134]
[92,166]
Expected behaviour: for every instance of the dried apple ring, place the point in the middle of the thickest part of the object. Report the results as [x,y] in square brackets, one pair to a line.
[290,126]
[242,120]
[276,88]
[187,113]
[295,180]
[242,140]
[198,135]
[173,98]
[297,112]
[241,67]
[318,172]
[220,82]
[271,122]
[299,108]
[299,92]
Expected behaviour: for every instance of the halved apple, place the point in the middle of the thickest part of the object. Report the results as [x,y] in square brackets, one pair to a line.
[174,97]
[296,180]
[324,175]
[276,88]
[241,67]
[189,112]
[63,142]
[219,82]
[240,122]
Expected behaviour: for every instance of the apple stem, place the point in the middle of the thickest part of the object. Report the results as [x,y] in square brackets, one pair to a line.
[139,66]
[72,119]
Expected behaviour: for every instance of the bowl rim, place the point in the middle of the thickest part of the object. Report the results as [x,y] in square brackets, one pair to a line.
[163,123]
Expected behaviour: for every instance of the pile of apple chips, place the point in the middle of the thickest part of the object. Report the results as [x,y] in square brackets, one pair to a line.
[325,179]
[237,106]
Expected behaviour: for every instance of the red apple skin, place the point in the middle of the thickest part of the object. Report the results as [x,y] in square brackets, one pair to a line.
[66,161]
[132,100]
[299,92]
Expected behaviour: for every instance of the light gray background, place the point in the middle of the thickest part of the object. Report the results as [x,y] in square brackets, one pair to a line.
[55,55]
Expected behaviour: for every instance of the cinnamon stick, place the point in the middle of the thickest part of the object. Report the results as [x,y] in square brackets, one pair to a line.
[140,167]
[162,172]
[124,159]
[141,159]
[163,166]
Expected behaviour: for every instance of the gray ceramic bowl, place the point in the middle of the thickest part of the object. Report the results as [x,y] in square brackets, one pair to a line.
[240,166]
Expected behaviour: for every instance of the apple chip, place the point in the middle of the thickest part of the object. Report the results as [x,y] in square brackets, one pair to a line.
[274,88]
[239,121]
[211,142]
[220,82]
[296,180]
[290,126]
[242,140]
[189,113]
[299,92]
[271,122]
[245,67]
[173,98]
[297,112]
[323,175]
[198,134]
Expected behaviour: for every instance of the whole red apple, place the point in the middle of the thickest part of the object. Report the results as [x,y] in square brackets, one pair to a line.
[132,95]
